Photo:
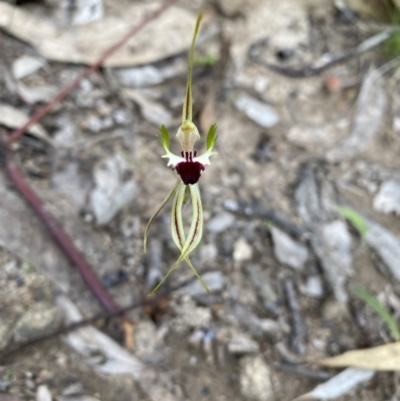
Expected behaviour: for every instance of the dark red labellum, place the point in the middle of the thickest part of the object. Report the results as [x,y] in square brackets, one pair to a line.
[189,171]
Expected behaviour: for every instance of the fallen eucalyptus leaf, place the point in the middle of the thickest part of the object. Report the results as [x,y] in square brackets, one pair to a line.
[14,118]
[384,357]
[83,44]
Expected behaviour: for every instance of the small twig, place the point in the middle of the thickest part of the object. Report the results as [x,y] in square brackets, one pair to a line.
[145,301]
[298,327]
[55,228]
[84,322]
[60,236]
[112,49]
[259,211]
[303,371]
[325,62]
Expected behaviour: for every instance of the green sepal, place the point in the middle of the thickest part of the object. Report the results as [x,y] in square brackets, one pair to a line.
[188,103]
[212,137]
[164,138]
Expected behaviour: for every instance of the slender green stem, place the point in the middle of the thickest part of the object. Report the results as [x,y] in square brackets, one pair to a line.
[188,104]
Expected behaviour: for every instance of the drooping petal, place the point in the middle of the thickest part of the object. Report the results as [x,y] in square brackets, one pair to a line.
[178,233]
[163,203]
[196,228]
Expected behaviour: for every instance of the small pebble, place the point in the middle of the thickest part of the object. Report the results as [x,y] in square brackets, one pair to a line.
[241,344]
[255,382]
[221,222]
[242,251]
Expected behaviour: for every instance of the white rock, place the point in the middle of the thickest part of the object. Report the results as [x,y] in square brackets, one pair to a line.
[287,250]
[313,287]
[241,344]
[387,200]
[26,65]
[111,191]
[43,393]
[255,382]
[190,316]
[87,11]
[220,222]
[259,112]
[148,345]
[43,318]
[242,250]
[152,111]
[208,254]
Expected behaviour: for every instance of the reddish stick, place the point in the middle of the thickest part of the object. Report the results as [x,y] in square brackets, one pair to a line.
[60,236]
[40,113]
[55,228]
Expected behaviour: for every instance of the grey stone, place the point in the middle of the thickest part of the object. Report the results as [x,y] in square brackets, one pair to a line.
[40,320]
[241,344]
[313,287]
[387,200]
[332,244]
[220,222]
[386,245]
[289,251]
[112,191]
[259,112]
[263,286]
[242,250]
[255,381]
[5,332]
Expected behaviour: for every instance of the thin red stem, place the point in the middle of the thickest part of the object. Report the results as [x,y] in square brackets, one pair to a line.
[60,236]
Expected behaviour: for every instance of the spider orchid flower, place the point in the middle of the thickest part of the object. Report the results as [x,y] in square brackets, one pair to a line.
[188,168]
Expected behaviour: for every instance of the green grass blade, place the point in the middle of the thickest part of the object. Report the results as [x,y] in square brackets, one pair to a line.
[380,309]
[358,221]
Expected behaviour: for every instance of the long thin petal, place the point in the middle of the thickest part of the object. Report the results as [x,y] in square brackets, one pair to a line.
[178,233]
[196,227]
[163,203]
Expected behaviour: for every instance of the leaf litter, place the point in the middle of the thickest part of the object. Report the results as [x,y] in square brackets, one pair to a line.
[325,235]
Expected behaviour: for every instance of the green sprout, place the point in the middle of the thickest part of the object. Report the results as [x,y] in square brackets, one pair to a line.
[358,221]
[188,168]
[380,309]
[207,60]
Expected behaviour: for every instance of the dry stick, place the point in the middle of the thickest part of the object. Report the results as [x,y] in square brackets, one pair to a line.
[60,236]
[84,322]
[55,228]
[104,315]
[45,109]
[298,327]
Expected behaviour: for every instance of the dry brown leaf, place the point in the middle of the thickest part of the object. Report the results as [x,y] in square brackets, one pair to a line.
[385,357]
[169,35]
[13,118]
